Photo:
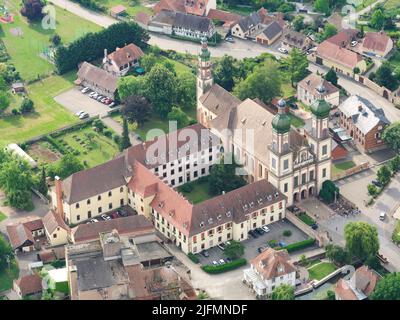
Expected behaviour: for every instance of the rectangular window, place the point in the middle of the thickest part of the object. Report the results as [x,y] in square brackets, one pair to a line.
[109,193]
[324,150]
[89,214]
[77,205]
[296,181]
[285,164]
[273,163]
[99,209]
[78,217]
[303,178]
[311,175]
[88,201]
[323,173]
[110,206]
[285,187]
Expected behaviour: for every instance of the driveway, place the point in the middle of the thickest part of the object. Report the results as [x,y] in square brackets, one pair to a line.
[74,100]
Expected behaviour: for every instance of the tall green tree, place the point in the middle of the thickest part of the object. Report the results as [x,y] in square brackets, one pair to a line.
[329,191]
[176,114]
[42,185]
[234,250]
[68,165]
[377,20]
[337,254]
[125,141]
[136,109]
[329,31]
[4,101]
[384,76]
[283,292]
[263,83]
[186,90]
[391,135]
[148,61]
[131,86]
[387,288]
[332,77]
[297,64]
[161,89]
[322,6]
[225,72]
[383,175]
[6,253]
[361,239]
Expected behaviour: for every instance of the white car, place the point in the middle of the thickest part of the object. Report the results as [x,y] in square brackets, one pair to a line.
[215,263]
[84,115]
[353,43]
[92,94]
[105,217]
[282,50]
[221,261]
[79,113]
[85,89]
[265,228]
[94,220]
[382,216]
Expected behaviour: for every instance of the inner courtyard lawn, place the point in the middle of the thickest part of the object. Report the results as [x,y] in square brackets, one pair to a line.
[341,167]
[97,151]
[48,115]
[25,50]
[199,193]
[321,270]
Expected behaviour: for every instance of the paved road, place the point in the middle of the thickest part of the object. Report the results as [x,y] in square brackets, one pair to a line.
[350,20]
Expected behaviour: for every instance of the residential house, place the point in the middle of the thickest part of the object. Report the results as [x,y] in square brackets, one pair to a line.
[344,38]
[270,34]
[228,18]
[28,285]
[119,62]
[97,79]
[377,43]
[182,24]
[293,39]
[364,122]
[268,270]
[142,19]
[294,162]
[247,25]
[17,87]
[359,287]
[56,229]
[25,234]
[194,7]
[117,11]
[307,90]
[339,58]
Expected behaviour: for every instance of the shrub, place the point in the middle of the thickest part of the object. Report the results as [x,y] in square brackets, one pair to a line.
[193,257]
[287,233]
[27,106]
[273,243]
[15,112]
[299,245]
[224,267]
[306,219]
[58,264]
[108,133]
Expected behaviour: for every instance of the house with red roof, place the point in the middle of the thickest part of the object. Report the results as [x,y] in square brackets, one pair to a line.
[377,43]
[195,7]
[119,62]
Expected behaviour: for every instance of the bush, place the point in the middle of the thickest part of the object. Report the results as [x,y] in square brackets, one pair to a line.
[193,257]
[224,267]
[273,243]
[58,264]
[108,133]
[299,245]
[287,233]
[26,106]
[306,219]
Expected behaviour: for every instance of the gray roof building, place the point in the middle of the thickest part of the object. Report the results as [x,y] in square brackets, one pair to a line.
[248,22]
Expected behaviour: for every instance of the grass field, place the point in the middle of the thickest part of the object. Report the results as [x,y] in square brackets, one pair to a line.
[199,193]
[341,167]
[48,115]
[8,275]
[25,50]
[2,216]
[98,151]
[321,270]
[131,10]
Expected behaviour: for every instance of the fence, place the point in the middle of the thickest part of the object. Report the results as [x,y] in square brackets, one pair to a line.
[349,172]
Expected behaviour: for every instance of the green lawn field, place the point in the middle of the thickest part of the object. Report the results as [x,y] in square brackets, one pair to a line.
[321,270]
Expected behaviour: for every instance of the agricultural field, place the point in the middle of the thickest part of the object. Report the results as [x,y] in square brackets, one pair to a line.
[26,42]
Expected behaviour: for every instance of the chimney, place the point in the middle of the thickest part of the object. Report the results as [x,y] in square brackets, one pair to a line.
[59,195]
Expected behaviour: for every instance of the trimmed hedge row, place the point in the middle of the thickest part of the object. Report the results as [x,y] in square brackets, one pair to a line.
[224,267]
[193,257]
[299,245]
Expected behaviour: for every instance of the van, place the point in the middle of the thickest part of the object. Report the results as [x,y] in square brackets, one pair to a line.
[382,216]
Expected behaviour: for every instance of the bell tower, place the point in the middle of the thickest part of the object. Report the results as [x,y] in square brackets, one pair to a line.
[204,75]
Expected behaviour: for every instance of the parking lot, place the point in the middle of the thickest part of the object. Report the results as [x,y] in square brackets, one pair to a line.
[252,244]
[74,100]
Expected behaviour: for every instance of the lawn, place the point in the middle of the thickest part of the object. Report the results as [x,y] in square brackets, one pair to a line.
[2,216]
[25,50]
[306,219]
[321,270]
[131,10]
[95,152]
[48,115]
[199,193]
[287,90]
[392,6]
[244,11]
[341,167]
[8,275]
[296,121]
[364,4]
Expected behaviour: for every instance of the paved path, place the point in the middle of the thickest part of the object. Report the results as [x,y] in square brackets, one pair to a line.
[116,126]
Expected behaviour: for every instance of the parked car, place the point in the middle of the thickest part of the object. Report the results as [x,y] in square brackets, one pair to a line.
[105,217]
[221,261]
[382,216]
[122,212]
[253,234]
[79,113]
[282,50]
[221,246]
[114,215]
[93,94]
[112,105]
[215,263]
[84,115]
[265,228]
[353,43]
[108,101]
[293,105]
[228,259]
[261,249]
[85,89]
[205,253]
[314,226]
[94,220]
[104,100]
[377,183]
[99,98]
[229,39]
[281,244]
[259,231]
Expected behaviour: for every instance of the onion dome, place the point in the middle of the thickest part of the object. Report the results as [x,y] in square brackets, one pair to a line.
[281,121]
[320,108]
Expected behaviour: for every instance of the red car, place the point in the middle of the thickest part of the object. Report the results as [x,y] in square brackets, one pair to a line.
[114,215]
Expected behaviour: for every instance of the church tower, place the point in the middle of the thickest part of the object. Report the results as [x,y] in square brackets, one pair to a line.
[319,138]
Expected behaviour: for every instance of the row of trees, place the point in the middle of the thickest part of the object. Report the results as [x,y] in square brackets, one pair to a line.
[91,46]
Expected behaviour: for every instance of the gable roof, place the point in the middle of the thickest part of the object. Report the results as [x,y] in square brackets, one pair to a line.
[135,225]
[142,18]
[366,279]
[294,38]
[342,56]
[21,232]
[192,22]
[52,221]
[223,15]
[272,30]
[118,9]
[363,113]
[271,263]
[376,41]
[218,100]
[94,74]
[125,55]
[344,37]
[29,284]
[312,81]
[170,5]
[250,21]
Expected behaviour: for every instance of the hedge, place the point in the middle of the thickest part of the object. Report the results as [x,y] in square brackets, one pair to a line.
[299,245]
[224,267]
[56,144]
[193,257]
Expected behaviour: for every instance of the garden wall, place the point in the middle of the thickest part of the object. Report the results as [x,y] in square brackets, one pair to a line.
[357,169]
[382,91]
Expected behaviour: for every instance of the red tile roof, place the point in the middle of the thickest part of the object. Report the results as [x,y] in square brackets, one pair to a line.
[52,220]
[271,263]
[29,284]
[223,15]
[142,18]
[21,232]
[343,56]
[118,9]
[344,37]
[125,55]
[376,41]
